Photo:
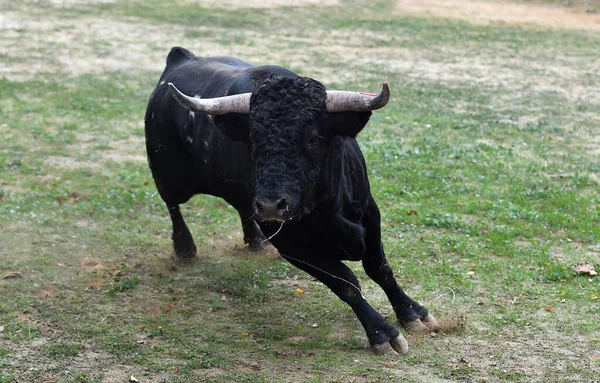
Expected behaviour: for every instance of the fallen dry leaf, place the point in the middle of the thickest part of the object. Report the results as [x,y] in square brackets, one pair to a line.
[411,212]
[14,274]
[245,333]
[550,308]
[300,291]
[585,268]
[593,296]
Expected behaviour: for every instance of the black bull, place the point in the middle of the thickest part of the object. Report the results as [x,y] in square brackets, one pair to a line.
[288,161]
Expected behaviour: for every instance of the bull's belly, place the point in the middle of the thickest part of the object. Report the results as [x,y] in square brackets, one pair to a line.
[304,241]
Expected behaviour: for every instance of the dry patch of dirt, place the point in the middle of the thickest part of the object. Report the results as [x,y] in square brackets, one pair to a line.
[534,355]
[572,253]
[69,163]
[75,2]
[261,3]
[91,264]
[85,155]
[496,12]
[232,245]
[99,46]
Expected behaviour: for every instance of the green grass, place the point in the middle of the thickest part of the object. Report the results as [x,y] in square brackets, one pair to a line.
[123,285]
[485,166]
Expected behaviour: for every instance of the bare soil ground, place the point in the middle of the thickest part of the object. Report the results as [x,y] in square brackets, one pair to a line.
[505,12]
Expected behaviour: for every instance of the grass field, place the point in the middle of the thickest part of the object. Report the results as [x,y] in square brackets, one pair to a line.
[486,165]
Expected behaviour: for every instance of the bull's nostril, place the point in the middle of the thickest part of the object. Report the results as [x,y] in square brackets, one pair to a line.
[258,207]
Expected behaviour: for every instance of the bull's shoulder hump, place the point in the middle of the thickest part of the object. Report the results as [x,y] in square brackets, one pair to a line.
[255,75]
[230,61]
[268,70]
[182,62]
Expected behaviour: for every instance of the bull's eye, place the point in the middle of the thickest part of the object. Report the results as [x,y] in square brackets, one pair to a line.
[313,140]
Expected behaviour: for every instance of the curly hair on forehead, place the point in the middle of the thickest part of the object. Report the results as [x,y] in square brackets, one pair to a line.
[281,98]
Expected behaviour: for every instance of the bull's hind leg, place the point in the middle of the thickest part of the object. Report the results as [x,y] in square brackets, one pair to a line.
[183,243]
[409,313]
[173,195]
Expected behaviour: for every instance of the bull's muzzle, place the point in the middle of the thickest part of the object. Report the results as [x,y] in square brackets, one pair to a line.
[273,209]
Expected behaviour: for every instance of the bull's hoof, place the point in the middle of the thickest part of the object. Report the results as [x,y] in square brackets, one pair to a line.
[257,244]
[422,325]
[385,339]
[185,252]
[394,347]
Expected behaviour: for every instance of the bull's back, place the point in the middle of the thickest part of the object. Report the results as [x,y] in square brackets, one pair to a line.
[181,146]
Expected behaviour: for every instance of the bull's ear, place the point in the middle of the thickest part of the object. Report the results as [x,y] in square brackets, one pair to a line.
[348,123]
[236,126]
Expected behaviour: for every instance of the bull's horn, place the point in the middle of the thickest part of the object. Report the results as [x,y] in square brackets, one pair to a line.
[237,103]
[346,101]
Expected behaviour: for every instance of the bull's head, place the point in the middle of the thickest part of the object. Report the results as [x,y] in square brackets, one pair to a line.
[291,123]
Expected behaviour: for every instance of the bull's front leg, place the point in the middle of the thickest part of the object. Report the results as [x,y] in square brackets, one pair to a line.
[253,236]
[409,313]
[383,337]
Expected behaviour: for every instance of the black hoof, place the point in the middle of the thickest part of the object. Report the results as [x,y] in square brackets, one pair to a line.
[427,324]
[385,339]
[393,347]
[417,319]
[256,242]
[184,251]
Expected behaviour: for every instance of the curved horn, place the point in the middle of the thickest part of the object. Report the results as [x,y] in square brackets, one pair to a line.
[237,103]
[346,101]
